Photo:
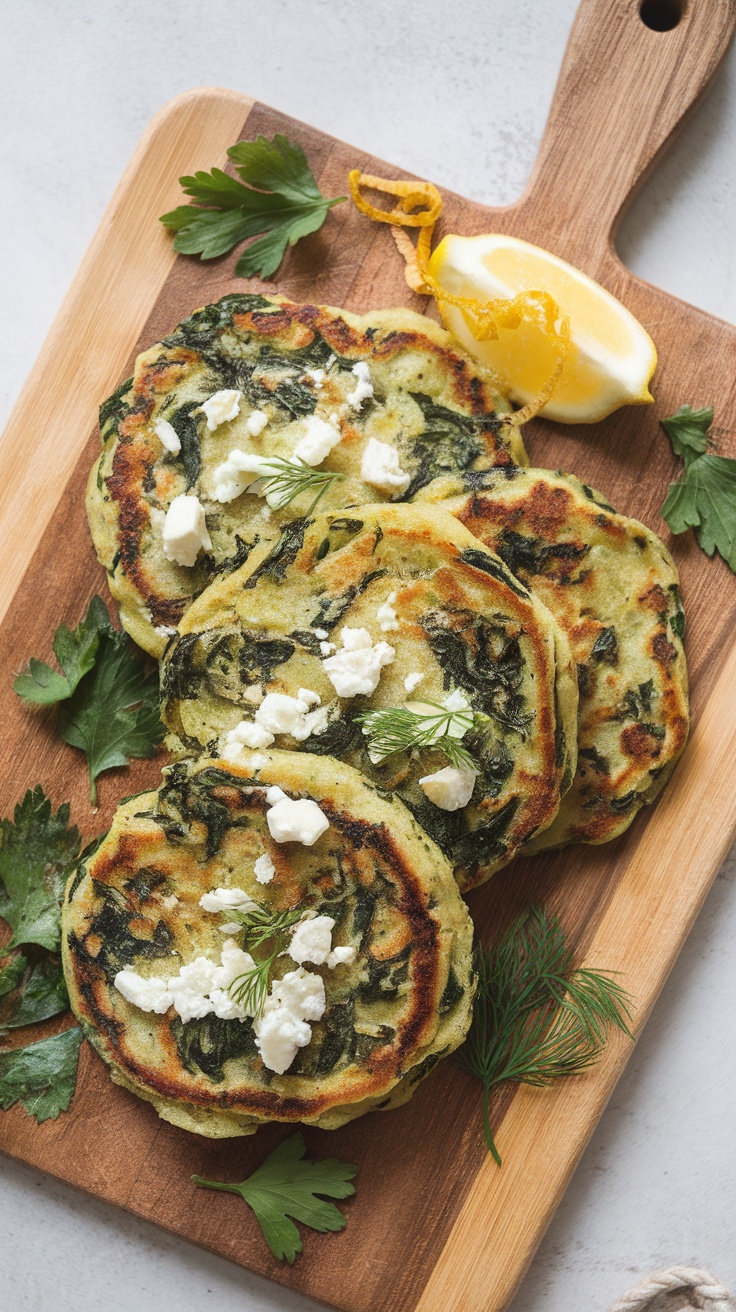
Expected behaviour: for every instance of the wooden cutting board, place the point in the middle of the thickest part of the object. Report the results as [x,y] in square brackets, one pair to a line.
[435,1225]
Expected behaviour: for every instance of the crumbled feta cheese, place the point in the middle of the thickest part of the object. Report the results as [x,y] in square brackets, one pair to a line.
[341,957]
[235,962]
[312,940]
[275,794]
[264,869]
[190,989]
[165,630]
[282,1029]
[253,694]
[292,821]
[363,388]
[317,441]
[356,670]
[256,422]
[245,735]
[380,467]
[185,531]
[240,472]
[327,648]
[317,376]
[167,436]
[279,713]
[221,407]
[151,994]
[413,681]
[222,899]
[386,615]
[450,789]
[321,633]
[257,762]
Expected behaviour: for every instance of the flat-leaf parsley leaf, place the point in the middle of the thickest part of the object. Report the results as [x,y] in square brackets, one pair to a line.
[286,1186]
[282,203]
[704,498]
[42,1076]
[111,710]
[37,852]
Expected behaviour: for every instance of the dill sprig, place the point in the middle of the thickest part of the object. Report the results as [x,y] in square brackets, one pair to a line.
[290,478]
[399,729]
[536,1018]
[261,926]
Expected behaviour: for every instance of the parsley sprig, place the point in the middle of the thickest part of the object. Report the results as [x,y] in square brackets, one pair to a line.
[108,704]
[277,197]
[536,1018]
[400,729]
[263,927]
[287,1186]
[38,850]
[704,498]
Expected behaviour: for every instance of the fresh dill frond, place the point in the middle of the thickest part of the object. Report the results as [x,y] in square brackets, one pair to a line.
[261,926]
[290,478]
[399,729]
[535,1017]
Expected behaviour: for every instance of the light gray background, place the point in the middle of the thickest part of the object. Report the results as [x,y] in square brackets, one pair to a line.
[457,92]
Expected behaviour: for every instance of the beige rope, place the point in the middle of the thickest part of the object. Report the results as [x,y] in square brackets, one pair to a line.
[707,1292]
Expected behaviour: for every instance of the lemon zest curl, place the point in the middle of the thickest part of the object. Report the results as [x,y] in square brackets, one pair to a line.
[419,205]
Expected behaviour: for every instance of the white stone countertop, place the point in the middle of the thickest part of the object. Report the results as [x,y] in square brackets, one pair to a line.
[459,93]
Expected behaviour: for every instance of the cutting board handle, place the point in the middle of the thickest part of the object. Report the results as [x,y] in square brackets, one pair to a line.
[624,89]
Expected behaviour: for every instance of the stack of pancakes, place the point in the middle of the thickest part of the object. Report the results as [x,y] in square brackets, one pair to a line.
[556,621]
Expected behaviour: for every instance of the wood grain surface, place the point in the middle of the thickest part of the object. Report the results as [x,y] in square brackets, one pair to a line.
[434,1224]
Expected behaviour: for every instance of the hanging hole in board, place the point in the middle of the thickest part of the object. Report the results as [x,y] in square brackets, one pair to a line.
[661,15]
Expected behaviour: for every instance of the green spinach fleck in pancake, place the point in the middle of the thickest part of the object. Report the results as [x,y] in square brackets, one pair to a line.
[613,587]
[388,388]
[456,622]
[396,1003]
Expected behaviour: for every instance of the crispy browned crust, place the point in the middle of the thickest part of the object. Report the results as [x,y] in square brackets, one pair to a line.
[562,518]
[249,1091]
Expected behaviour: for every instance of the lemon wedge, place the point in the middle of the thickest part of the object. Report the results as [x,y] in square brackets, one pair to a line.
[611,358]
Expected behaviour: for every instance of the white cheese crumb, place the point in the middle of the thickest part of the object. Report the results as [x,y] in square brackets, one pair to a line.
[341,957]
[234,962]
[253,694]
[317,441]
[282,1029]
[279,713]
[150,994]
[363,388]
[264,869]
[191,987]
[275,794]
[380,467]
[317,376]
[244,735]
[221,407]
[321,633]
[257,762]
[238,473]
[327,648]
[413,680]
[386,615]
[295,821]
[256,422]
[164,630]
[449,789]
[459,722]
[167,436]
[312,940]
[223,899]
[356,670]
[185,531]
